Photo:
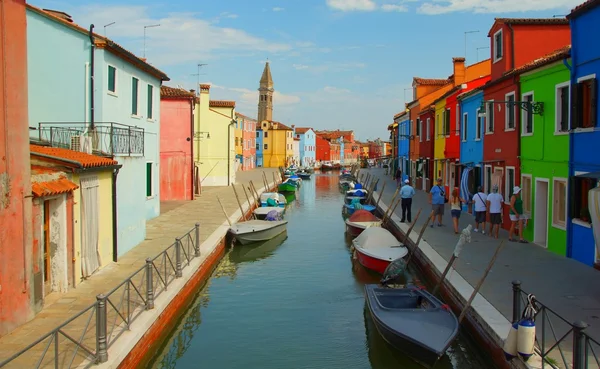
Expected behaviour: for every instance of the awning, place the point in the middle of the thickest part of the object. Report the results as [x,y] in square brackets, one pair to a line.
[593,175]
[464,184]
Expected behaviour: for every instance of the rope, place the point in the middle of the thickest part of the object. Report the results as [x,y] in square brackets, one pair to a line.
[531,309]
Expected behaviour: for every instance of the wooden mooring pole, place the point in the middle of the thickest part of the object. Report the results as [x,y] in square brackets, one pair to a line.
[238,201]
[414,250]
[224,211]
[465,237]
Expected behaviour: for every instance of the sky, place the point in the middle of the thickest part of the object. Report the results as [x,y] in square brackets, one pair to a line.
[336,64]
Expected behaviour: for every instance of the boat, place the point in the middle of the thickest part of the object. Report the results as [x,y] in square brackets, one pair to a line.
[376,248]
[252,231]
[276,199]
[287,186]
[304,175]
[326,165]
[410,319]
[357,192]
[349,199]
[257,251]
[262,212]
[361,220]
[356,205]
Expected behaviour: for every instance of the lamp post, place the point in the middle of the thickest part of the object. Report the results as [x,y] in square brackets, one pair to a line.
[149,26]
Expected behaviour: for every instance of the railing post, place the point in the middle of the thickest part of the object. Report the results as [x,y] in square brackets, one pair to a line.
[516,287]
[129,139]
[197,244]
[149,284]
[101,345]
[579,358]
[178,273]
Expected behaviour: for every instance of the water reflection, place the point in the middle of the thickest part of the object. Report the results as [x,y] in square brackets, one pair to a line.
[254,252]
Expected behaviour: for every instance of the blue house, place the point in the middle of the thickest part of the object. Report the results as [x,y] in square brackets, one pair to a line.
[259,147]
[308,145]
[109,107]
[471,142]
[403,143]
[584,163]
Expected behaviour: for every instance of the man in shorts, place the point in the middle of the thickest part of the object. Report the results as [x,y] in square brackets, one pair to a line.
[494,208]
[437,199]
[480,206]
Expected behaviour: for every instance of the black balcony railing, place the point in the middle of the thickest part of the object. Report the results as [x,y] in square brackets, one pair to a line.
[107,138]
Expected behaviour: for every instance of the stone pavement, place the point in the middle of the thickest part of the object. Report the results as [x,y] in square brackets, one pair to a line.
[160,234]
[564,285]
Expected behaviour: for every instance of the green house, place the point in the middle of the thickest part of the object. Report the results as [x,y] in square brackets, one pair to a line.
[545,150]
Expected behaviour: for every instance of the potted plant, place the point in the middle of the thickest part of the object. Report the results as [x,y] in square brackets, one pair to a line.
[585,214]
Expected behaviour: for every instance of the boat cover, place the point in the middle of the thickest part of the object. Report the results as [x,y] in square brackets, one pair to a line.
[356,203]
[379,243]
[363,216]
[358,186]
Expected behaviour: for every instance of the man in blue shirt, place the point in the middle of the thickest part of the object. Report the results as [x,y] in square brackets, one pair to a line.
[406,193]
[437,199]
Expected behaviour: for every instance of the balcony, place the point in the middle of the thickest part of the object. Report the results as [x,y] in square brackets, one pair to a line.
[107,138]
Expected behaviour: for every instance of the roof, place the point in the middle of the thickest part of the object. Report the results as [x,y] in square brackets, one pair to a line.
[73,157]
[266,80]
[329,135]
[221,104]
[448,93]
[103,43]
[240,115]
[302,130]
[49,182]
[280,126]
[167,92]
[429,99]
[430,81]
[296,139]
[398,115]
[529,22]
[470,93]
[556,55]
[581,8]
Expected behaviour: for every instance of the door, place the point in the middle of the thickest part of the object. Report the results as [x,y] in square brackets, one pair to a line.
[540,218]
[47,272]
[90,259]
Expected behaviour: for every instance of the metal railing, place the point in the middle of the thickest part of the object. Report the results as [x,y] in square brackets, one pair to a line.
[560,343]
[107,138]
[87,336]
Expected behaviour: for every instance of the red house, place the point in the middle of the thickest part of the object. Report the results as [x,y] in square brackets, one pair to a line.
[513,43]
[323,149]
[176,144]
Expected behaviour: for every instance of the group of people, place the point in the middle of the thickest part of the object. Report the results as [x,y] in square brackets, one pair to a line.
[486,207]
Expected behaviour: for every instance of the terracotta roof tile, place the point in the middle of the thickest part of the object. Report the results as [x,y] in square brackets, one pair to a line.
[48,182]
[398,115]
[532,20]
[430,81]
[556,55]
[204,87]
[429,99]
[221,104]
[83,159]
[280,126]
[583,7]
[167,92]
[302,130]
[244,116]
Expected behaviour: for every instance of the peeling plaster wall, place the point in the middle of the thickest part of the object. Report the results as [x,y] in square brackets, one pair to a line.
[58,244]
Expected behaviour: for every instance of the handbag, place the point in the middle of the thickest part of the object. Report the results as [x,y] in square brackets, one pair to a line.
[443,193]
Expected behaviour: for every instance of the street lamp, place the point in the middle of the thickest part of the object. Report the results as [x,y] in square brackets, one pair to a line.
[149,26]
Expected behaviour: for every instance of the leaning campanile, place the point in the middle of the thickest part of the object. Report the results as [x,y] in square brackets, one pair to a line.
[265,98]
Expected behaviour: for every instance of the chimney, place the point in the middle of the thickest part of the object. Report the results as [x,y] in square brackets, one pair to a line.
[204,89]
[459,70]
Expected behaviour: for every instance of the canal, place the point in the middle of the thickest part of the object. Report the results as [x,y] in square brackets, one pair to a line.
[295,302]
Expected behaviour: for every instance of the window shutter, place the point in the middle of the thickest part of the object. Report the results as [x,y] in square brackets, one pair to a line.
[148,179]
[593,98]
[575,93]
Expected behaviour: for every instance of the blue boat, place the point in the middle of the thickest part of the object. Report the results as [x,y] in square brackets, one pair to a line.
[357,203]
[273,199]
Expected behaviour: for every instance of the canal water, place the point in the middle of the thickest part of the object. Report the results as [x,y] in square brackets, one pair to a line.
[295,302]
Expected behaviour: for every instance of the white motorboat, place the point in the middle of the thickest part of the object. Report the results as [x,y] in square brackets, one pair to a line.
[261,213]
[376,248]
[257,230]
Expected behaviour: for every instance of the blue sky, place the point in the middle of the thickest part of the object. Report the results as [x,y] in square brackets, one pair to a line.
[335,63]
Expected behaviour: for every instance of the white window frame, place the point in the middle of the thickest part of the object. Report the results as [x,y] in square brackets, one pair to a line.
[530,192]
[137,95]
[495,46]
[557,109]
[428,128]
[566,182]
[116,92]
[579,80]
[479,128]
[464,126]
[487,116]
[507,188]
[485,177]
[524,115]
[507,111]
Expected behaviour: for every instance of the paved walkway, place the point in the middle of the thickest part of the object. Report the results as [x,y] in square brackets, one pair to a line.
[565,285]
[160,233]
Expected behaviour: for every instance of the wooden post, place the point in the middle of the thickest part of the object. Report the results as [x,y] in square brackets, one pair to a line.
[393,210]
[414,250]
[238,201]
[390,205]
[480,283]
[372,190]
[251,189]
[250,205]
[265,182]
[380,194]
[274,179]
[407,235]
[224,212]
[256,191]
[465,236]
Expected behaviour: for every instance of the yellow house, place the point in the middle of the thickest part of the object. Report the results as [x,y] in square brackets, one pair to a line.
[93,208]
[214,144]
[441,131]
[239,140]
[278,144]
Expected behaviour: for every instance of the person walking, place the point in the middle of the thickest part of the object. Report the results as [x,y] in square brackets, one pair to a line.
[437,199]
[516,215]
[398,177]
[406,193]
[494,209]
[456,208]
[479,200]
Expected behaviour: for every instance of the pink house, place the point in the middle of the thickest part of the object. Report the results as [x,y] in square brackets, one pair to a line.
[248,141]
[176,144]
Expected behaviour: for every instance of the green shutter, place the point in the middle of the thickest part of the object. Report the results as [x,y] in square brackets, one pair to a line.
[148,179]
[134,96]
[111,79]
[150,101]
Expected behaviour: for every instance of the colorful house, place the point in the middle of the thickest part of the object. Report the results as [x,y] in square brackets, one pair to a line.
[296,151]
[214,146]
[513,43]
[442,129]
[112,109]
[176,144]
[248,141]
[323,149]
[278,146]
[583,222]
[471,137]
[239,140]
[308,145]
[19,272]
[545,149]
[259,147]
[403,139]
[393,128]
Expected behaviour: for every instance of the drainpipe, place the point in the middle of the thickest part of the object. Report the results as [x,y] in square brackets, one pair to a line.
[192,104]
[229,149]
[114,214]
[512,46]
[92,49]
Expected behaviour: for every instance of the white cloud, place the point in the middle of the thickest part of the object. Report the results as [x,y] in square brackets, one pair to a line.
[394,8]
[352,5]
[228,15]
[299,66]
[335,90]
[250,97]
[494,6]
[278,9]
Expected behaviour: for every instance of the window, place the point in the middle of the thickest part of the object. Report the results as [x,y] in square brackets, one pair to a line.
[457,130]
[149,182]
[527,115]
[559,203]
[480,123]
[464,127]
[447,122]
[266,146]
[112,79]
[584,104]
[497,46]
[418,128]
[428,128]
[134,95]
[150,101]
[526,189]
[257,134]
[488,178]
[562,107]
[237,141]
[510,111]
[266,134]
[257,147]
[510,181]
[490,117]
[579,193]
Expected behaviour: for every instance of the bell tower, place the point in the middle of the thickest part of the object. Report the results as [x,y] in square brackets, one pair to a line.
[265,95]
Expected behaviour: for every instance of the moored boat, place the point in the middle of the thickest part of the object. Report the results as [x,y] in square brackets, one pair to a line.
[376,248]
[273,199]
[361,220]
[304,175]
[257,230]
[262,212]
[287,186]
